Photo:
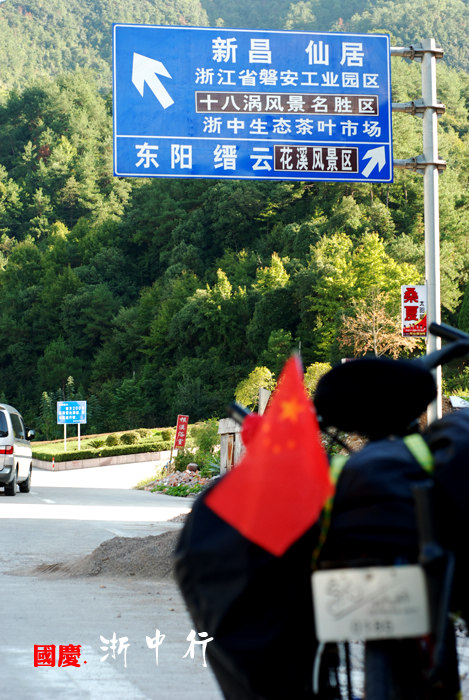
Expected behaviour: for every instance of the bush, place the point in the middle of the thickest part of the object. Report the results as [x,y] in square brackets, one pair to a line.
[96,443]
[157,446]
[167,434]
[313,374]
[209,467]
[206,436]
[182,459]
[129,438]
[112,440]
[179,490]
[145,433]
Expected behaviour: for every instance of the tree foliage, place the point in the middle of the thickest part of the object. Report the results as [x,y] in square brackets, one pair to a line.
[370,328]
[162,296]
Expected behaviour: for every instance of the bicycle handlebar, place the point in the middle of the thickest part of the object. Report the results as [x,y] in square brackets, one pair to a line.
[458,347]
[447,332]
[346,396]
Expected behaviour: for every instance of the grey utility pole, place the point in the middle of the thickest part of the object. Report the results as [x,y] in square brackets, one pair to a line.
[429,164]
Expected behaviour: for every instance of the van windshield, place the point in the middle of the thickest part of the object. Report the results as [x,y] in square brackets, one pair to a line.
[3,425]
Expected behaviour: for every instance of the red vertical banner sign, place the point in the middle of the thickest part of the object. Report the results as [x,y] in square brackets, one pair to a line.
[414,310]
[181,432]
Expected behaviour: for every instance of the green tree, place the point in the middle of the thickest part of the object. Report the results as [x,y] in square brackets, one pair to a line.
[247,391]
[279,348]
[57,365]
[372,328]
[273,276]
[47,423]
[313,374]
[343,273]
[463,316]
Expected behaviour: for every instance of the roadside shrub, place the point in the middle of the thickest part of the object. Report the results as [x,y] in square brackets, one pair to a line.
[129,438]
[167,434]
[209,467]
[182,459]
[145,433]
[206,436]
[179,490]
[104,451]
[112,440]
[96,443]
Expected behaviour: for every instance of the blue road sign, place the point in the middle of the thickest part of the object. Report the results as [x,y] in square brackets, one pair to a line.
[71,412]
[251,104]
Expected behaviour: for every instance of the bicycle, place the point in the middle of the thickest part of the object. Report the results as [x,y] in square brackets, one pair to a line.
[386,580]
[258,607]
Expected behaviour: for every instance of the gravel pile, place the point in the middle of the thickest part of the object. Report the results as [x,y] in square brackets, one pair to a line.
[148,557]
[186,478]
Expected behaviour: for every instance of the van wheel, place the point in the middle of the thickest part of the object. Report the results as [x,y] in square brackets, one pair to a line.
[25,486]
[10,489]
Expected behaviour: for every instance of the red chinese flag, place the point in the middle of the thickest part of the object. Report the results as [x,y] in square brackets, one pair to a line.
[282,482]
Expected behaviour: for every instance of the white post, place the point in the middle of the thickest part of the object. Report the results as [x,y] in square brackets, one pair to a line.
[65,437]
[431,208]
[78,436]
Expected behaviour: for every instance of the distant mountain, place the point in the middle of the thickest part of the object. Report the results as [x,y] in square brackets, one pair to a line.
[49,37]
[408,21]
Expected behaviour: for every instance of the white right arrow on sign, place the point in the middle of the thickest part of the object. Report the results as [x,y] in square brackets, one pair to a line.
[375,157]
[144,70]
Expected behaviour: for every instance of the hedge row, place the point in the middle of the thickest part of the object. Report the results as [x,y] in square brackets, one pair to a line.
[159,446]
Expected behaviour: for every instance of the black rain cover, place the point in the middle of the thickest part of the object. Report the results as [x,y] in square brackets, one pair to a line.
[448,439]
[373,516]
[257,606]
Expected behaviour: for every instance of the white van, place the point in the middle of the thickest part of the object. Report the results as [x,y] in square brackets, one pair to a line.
[15,451]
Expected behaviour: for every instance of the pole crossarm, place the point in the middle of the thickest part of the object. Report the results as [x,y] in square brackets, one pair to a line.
[418,164]
[417,107]
[416,53]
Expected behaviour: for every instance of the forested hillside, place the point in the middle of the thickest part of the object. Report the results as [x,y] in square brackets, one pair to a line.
[48,37]
[160,296]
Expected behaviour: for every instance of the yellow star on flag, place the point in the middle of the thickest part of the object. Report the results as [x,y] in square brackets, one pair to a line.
[291,410]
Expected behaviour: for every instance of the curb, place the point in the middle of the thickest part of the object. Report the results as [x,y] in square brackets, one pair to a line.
[103,461]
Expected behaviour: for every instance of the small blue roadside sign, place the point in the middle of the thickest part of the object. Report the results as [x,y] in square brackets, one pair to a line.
[71,412]
[251,104]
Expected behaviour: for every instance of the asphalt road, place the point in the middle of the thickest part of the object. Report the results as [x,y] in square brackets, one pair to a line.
[67,515]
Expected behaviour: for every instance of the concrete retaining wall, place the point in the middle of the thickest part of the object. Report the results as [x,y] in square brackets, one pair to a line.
[104,461]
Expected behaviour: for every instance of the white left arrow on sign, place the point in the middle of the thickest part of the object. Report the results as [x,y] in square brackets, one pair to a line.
[146,70]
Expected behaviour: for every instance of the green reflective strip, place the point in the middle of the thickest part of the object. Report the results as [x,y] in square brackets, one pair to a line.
[337,464]
[420,450]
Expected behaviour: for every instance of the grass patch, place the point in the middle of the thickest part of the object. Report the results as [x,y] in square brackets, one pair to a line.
[179,490]
[144,482]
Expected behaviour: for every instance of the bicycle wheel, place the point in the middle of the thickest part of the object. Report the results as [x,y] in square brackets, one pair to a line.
[393,670]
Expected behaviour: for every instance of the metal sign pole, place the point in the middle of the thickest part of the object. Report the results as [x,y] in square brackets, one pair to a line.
[431,208]
[429,165]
